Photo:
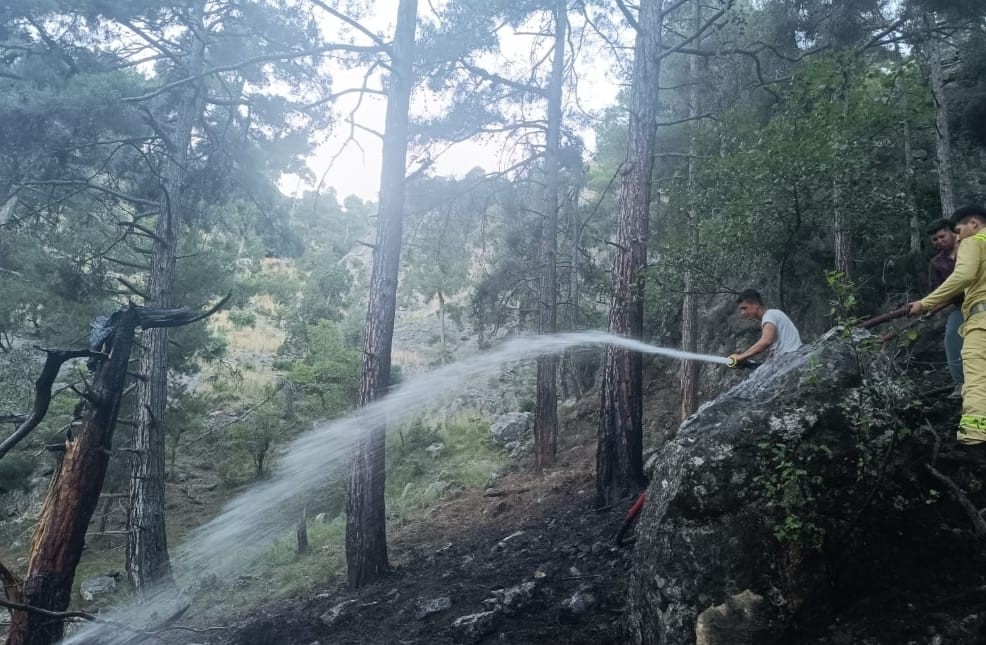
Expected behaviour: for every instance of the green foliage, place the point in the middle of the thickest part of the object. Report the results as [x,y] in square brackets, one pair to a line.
[251,443]
[767,186]
[790,483]
[844,300]
[328,373]
[241,318]
[416,479]
[15,470]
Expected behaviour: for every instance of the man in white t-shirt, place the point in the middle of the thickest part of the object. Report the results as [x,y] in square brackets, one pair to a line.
[778,334]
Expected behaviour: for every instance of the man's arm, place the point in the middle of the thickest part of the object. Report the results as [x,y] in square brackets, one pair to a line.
[767,338]
[967,262]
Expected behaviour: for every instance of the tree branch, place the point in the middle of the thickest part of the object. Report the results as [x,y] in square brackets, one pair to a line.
[697,33]
[628,15]
[496,78]
[355,25]
[978,524]
[156,318]
[42,393]
[251,61]
[97,187]
[132,288]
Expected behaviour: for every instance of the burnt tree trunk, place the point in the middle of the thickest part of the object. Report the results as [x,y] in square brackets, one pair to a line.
[148,563]
[619,451]
[73,496]
[546,405]
[303,547]
[366,538]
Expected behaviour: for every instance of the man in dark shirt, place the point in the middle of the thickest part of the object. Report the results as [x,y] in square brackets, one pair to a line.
[944,240]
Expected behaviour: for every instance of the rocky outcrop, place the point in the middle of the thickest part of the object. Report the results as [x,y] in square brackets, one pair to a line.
[753,493]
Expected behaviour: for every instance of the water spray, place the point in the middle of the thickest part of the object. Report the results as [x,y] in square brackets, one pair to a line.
[253,520]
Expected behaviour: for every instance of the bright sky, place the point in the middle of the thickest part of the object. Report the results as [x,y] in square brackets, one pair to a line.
[354,168]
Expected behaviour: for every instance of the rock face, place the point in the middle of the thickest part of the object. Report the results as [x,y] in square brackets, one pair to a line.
[92,588]
[512,427]
[747,498]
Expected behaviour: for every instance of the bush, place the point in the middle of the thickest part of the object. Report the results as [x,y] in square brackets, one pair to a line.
[15,472]
[242,318]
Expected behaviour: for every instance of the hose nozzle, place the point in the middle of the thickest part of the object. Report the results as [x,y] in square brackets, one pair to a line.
[745,364]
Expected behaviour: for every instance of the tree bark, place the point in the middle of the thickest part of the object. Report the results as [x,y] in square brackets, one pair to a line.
[689,305]
[913,223]
[148,563]
[841,224]
[546,406]
[303,548]
[619,452]
[366,538]
[73,496]
[943,144]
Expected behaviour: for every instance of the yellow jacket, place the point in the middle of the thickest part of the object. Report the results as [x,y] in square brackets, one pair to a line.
[969,276]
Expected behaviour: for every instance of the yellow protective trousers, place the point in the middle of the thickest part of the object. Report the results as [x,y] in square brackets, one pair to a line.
[972,425]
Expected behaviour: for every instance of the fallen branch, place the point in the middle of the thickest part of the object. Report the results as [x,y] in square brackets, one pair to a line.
[141,634]
[978,524]
[504,493]
[60,615]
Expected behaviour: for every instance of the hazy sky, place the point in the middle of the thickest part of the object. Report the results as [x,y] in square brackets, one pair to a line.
[356,169]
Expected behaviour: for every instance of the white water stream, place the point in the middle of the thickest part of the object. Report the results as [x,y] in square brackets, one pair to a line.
[251,522]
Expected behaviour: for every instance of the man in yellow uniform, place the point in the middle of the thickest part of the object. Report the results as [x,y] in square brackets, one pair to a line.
[969,277]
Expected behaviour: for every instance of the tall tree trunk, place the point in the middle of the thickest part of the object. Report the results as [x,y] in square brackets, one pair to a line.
[689,305]
[72,497]
[910,177]
[619,452]
[366,538]
[841,225]
[913,222]
[148,563]
[441,320]
[546,410]
[943,144]
[571,374]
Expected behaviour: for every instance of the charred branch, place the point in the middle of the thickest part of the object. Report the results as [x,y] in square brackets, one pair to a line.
[42,393]
[974,514]
[157,318]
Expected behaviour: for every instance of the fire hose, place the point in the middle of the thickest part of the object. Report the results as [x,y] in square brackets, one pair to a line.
[900,312]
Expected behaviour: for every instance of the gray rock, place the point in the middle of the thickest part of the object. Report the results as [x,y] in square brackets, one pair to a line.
[517,597]
[511,427]
[709,525]
[340,612]
[92,588]
[578,604]
[435,450]
[430,607]
[322,518]
[472,627]
[741,620]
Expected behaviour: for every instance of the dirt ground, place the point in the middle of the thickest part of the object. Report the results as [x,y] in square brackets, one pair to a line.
[474,554]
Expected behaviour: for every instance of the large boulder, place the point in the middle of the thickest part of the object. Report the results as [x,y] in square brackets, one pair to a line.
[747,499]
